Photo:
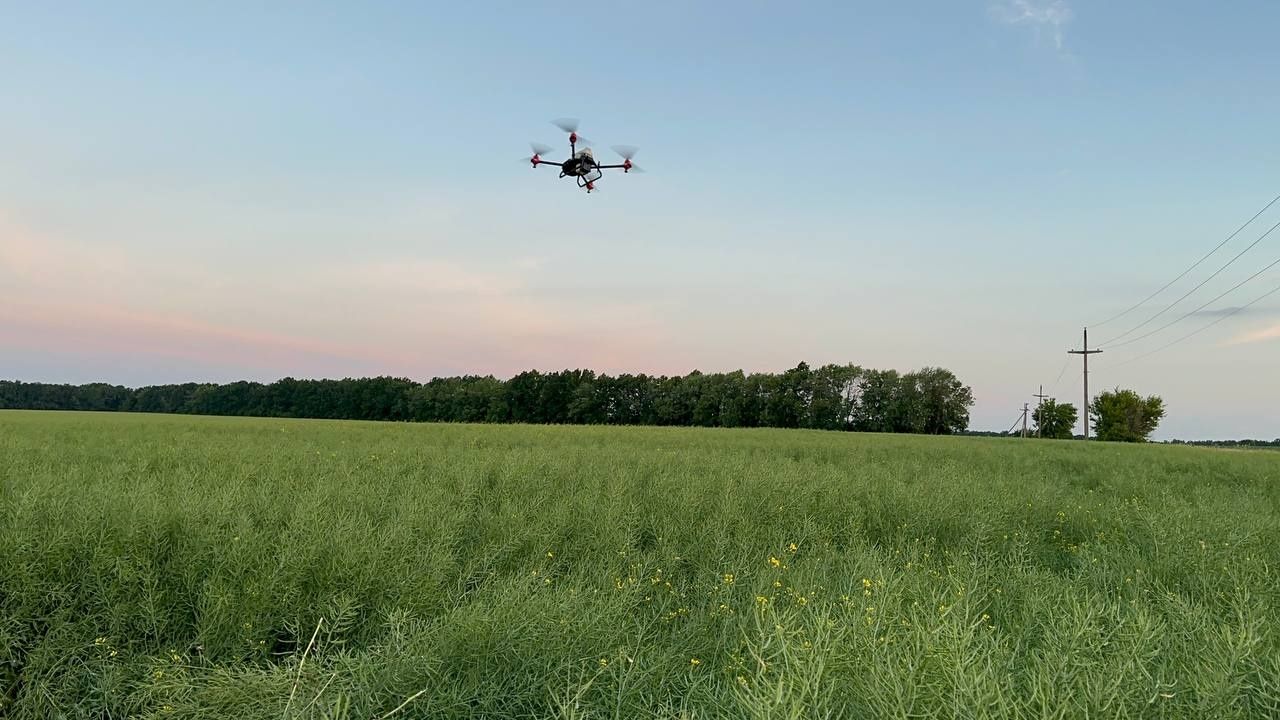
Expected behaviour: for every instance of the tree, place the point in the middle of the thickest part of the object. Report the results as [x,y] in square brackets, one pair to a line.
[737,404]
[1125,416]
[944,401]
[1055,420]
[877,390]
[834,397]
[788,397]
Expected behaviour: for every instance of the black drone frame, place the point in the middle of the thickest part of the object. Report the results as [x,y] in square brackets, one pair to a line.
[589,174]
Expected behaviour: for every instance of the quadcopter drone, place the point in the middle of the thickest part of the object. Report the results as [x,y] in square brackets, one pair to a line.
[582,164]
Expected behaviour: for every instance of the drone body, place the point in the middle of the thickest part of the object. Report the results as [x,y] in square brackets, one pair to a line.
[582,164]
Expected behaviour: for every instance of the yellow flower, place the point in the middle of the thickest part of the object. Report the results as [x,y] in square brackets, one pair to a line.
[550,554]
[800,599]
[694,662]
[728,578]
[604,662]
[775,561]
[792,547]
[777,583]
[760,599]
[866,583]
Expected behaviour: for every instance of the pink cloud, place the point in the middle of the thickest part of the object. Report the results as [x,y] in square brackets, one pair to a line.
[75,328]
[410,316]
[1270,333]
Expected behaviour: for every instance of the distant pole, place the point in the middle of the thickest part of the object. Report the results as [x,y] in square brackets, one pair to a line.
[1086,352]
[1040,407]
[1024,420]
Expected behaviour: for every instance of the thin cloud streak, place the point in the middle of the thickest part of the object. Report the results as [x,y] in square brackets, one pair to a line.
[1256,336]
[1049,17]
[410,316]
[1228,311]
[72,328]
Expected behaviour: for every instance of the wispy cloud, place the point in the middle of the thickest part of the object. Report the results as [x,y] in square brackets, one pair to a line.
[1226,311]
[410,314]
[1042,17]
[1269,333]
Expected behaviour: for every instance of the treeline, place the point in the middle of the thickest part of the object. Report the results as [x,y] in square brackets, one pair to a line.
[1275,444]
[831,397]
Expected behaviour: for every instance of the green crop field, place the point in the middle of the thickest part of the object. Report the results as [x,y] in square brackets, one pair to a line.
[179,567]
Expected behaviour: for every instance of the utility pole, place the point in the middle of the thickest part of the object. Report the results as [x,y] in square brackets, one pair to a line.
[1040,425]
[1086,352]
[1024,420]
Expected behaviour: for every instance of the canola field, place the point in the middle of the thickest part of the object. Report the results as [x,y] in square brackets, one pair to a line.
[195,567]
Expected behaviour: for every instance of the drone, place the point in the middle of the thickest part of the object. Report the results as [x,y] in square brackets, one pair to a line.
[582,165]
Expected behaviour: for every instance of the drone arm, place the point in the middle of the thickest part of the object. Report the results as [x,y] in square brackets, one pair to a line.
[606,167]
[548,162]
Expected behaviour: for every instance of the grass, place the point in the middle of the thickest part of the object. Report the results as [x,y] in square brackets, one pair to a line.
[184,567]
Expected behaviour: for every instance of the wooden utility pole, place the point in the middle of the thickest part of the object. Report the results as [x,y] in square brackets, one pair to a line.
[1085,353]
[1040,425]
[1024,420]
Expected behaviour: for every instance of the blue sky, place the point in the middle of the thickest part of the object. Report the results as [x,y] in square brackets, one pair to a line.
[226,191]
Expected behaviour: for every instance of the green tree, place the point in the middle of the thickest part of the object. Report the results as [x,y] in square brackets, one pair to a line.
[944,401]
[788,397]
[1125,416]
[877,390]
[736,403]
[1056,420]
[834,397]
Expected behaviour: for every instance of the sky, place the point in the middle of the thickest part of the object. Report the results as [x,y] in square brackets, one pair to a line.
[213,192]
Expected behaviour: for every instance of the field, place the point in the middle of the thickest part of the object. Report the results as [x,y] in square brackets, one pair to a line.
[180,567]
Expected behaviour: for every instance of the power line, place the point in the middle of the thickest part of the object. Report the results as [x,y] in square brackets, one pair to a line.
[1189,292]
[1061,372]
[1201,329]
[1193,266]
[1193,312]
